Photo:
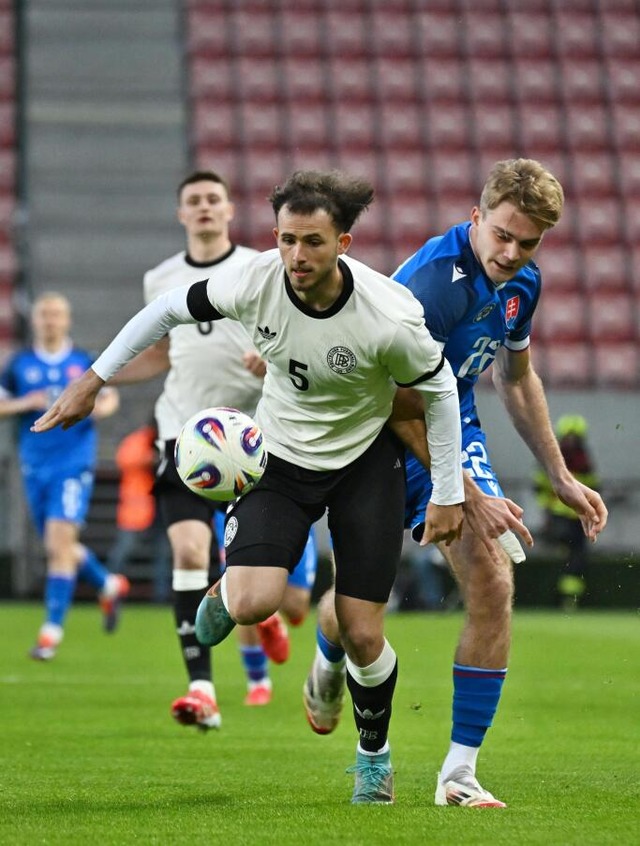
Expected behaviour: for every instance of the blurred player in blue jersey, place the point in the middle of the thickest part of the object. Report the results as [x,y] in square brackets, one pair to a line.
[58,470]
[479,289]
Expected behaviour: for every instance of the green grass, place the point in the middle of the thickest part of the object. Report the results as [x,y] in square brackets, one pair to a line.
[89,753]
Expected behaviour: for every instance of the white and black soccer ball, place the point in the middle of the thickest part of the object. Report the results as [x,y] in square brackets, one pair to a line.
[220,453]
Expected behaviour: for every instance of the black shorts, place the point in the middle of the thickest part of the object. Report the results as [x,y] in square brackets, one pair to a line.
[365,503]
[175,501]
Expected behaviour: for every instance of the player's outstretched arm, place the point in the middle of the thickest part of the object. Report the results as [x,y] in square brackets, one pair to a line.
[74,404]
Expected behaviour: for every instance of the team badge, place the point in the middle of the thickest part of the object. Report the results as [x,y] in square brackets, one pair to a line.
[230,530]
[511,311]
[484,312]
[341,360]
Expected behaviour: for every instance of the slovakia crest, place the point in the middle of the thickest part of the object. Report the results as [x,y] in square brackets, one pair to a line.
[511,311]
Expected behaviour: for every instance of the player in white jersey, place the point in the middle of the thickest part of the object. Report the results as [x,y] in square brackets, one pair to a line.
[207,364]
[338,338]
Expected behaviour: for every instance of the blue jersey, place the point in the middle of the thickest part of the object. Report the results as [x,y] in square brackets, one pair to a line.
[464,310]
[472,318]
[31,370]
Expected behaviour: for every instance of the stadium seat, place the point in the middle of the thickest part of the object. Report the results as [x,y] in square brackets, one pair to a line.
[619,32]
[346,33]
[561,316]
[617,365]
[560,266]
[207,33]
[447,126]
[438,32]
[396,79]
[406,171]
[628,164]
[593,174]
[367,164]
[484,33]
[490,81]
[263,169]
[495,127]
[568,365]
[530,34]
[7,171]
[599,221]
[257,79]
[576,34]
[444,79]
[450,210]
[400,125]
[390,33]
[310,129]
[301,32]
[7,126]
[625,126]
[350,79]
[541,126]
[606,268]
[611,316]
[304,78]
[622,78]
[252,30]
[261,124]
[214,122]
[7,77]
[227,161]
[408,217]
[587,128]
[210,77]
[355,124]
[535,79]
[452,172]
[581,80]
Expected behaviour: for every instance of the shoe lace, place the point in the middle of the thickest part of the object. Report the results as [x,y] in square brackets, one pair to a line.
[370,778]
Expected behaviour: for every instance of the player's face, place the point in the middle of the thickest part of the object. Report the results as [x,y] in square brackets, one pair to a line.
[310,245]
[51,321]
[504,240]
[205,209]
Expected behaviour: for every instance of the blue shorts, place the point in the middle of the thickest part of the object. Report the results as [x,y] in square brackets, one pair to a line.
[475,461]
[57,492]
[304,573]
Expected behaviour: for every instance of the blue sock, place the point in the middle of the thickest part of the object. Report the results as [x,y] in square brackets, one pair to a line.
[58,595]
[332,652]
[476,693]
[92,570]
[254,662]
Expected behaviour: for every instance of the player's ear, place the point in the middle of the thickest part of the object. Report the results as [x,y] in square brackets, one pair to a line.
[231,211]
[344,242]
[275,233]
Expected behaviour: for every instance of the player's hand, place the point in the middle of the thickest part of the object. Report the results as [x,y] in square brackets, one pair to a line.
[255,364]
[74,404]
[442,524]
[495,518]
[588,505]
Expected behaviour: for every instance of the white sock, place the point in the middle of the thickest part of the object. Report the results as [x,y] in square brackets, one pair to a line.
[189,580]
[205,687]
[459,756]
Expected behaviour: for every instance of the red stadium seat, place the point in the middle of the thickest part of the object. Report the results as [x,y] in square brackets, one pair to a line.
[535,79]
[355,124]
[408,217]
[594,174]
[587,128]
[346,33]
[401,125]
[581,80]
[304,78]
[606,268]
[227,161]
[7,170]
[599,221]
[211,77]
[396,79]
[576,34]
[390,33]
[561,316]
[449,211]
[7,125]
[366,164]
[443,79]
[625,126]
[302,32]
[214,123]
[253,30]
[617,365]
[257,79]
[568,365]
[560,267]
[452,172]
[439,33]
[7,77]
[485,33]
[628,163]
[541,126]
[620,32]
[309,128]
[530,34]
[611,316]
[622,77]
[261,124]
[207,33]
[351,80]
[490,81]
[263,169]
[447,126]
[495,127]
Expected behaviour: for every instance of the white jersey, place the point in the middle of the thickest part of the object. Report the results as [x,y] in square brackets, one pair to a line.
[206,358]
[331,375]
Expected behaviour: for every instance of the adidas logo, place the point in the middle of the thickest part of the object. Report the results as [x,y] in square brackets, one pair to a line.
[397,465]
[266,334]
[185,628]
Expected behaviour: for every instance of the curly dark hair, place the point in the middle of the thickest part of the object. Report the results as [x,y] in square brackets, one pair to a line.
[343,197]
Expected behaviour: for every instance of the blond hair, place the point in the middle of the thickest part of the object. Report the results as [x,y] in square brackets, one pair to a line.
[529,186]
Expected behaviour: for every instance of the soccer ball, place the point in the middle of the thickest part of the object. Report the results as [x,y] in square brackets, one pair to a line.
[220,453]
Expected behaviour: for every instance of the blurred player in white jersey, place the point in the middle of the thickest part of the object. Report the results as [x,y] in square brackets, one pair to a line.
[338,337]
[208,364]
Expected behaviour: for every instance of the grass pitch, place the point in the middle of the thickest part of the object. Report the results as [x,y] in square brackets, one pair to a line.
[90,754]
